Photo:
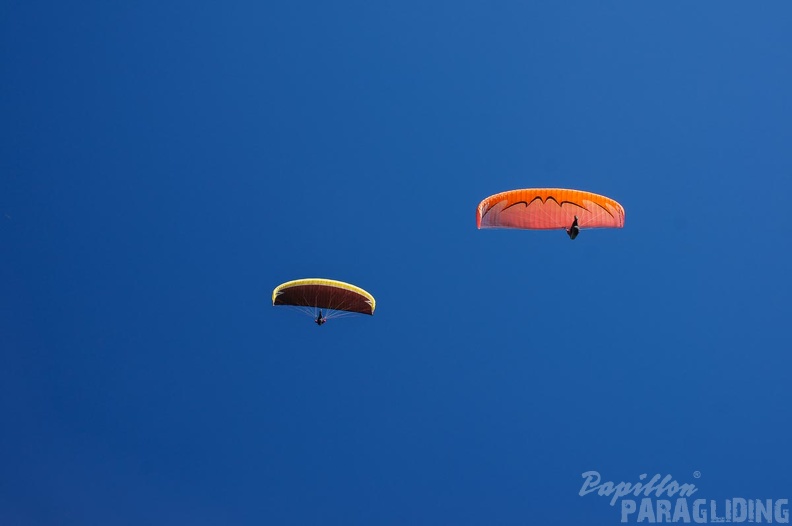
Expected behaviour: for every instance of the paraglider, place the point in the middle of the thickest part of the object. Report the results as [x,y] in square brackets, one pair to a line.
[549,209]
[324,299]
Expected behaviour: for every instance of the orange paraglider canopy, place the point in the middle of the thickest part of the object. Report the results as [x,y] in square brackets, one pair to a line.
[548,209]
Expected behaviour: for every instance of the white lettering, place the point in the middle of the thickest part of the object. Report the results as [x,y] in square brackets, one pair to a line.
[781,513]
[646,512]
[628,508]
[681,511]
[699,510]
[739,510]
[714,513]
[763,510]
[592,481]
[663,511]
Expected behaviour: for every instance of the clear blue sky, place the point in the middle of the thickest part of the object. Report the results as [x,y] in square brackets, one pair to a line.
[164,165]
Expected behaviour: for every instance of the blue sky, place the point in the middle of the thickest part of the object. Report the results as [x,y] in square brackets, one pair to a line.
[163,166]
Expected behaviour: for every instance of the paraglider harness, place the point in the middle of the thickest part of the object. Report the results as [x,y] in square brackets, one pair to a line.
[574,230]
[320,320]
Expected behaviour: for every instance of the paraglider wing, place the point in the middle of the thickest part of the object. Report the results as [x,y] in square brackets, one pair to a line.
[324,294]
[548,209]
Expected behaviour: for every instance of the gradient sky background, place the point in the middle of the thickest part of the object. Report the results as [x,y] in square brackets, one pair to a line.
[163,166]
